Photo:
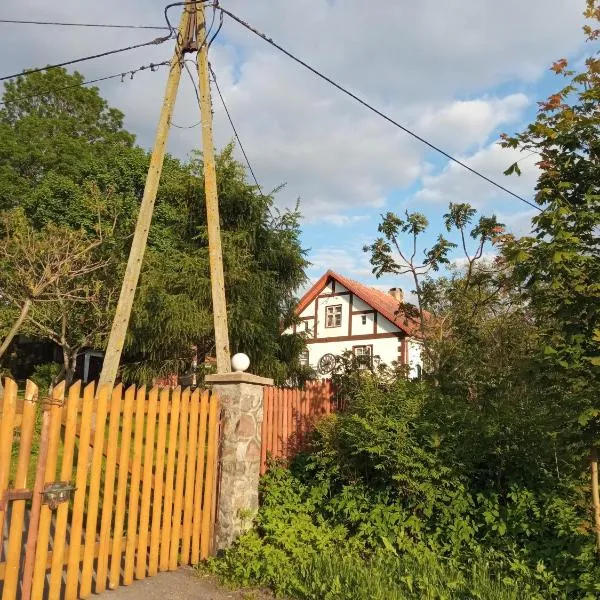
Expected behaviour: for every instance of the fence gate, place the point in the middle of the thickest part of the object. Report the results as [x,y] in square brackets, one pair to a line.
[96,491]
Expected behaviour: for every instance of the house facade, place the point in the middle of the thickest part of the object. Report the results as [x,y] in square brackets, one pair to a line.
[339,314]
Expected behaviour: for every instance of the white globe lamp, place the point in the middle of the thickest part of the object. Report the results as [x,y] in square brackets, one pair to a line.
[240,362]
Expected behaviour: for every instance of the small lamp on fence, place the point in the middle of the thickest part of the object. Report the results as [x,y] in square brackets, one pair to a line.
[57,492]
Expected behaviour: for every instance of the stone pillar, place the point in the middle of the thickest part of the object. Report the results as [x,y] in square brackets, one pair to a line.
[241,401]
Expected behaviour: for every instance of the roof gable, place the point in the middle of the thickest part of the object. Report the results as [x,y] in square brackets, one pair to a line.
[379,301]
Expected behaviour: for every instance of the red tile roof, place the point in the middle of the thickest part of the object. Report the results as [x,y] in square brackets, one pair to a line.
[382,302]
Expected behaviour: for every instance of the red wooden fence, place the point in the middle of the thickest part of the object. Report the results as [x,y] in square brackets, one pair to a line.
[290,414]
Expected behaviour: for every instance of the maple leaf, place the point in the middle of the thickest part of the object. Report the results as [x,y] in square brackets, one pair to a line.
[559,65]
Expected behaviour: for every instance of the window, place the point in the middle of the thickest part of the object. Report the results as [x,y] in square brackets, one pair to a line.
[307,328]
[304,362]
[333,316]
[364,319]
[363,355]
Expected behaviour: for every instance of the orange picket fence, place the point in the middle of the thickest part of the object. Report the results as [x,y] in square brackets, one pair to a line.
[289,416]
[97,490]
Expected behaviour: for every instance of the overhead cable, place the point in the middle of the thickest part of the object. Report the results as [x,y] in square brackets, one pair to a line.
[63,24]
[237,137]
[372,108]
[123,75]
[153,42]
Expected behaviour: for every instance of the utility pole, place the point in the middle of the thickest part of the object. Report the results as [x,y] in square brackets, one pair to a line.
[116,339]
[212,203]
[191,36]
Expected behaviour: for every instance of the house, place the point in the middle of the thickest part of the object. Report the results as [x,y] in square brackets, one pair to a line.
[339,314]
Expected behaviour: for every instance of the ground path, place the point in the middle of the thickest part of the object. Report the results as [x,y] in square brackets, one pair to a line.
[183,584]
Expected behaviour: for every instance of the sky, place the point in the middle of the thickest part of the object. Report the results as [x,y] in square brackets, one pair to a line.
[457,72]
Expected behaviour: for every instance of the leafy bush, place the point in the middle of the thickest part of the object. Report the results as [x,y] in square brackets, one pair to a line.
[384,504]
[45,375]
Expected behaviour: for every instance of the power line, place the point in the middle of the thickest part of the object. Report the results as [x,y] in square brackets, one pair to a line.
[372,108]
[237,137]
[63,24]
[154,42]
[122,75]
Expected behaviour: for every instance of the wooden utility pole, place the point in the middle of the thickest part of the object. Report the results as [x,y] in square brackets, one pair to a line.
[116,339]
[192,25]
[212,203]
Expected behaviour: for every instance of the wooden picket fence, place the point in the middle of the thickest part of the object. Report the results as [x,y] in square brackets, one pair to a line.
[143,468]
[289,415]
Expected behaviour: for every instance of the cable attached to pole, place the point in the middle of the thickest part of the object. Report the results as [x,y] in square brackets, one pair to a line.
[154,42]
[371,107]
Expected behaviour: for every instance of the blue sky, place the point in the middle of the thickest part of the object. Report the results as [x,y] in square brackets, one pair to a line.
[457,72]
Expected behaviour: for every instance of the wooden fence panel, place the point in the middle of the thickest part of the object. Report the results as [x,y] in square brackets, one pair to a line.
[288,416]
[119,523]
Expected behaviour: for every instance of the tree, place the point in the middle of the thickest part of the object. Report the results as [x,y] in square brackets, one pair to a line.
[558,266]
[263,263]
[391,254]
[58,140]
[46,266]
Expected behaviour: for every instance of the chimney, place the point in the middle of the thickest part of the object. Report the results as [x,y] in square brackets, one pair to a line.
[397,294]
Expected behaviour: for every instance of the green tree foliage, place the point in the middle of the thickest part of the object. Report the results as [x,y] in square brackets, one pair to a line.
[263,261]
[48,276]
[559,266]
[58,139]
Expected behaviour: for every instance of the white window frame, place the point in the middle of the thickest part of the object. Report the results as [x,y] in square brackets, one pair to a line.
[333,316]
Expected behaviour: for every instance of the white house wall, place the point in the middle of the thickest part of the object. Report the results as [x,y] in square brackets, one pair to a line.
[385,348]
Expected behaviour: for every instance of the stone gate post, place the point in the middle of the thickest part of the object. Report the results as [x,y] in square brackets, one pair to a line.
[241,401]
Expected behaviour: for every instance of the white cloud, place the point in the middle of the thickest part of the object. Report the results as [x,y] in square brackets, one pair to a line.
[519,223]
[342,220]
[351,263]
[462,123]
[412,60]
[455,184]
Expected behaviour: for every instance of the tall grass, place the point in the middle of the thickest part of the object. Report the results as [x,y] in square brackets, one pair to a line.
[388,577]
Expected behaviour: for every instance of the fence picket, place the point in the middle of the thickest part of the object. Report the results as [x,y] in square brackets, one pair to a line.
[188,507]
[41,552]
[9,409]
[15,538]
[109,488]
[62,512]
[147,485]
[169,479]
[209,480]
[134,489]
[115,565]
[94,494]
[157,501]
[197,518]
[179,480]
[80,493]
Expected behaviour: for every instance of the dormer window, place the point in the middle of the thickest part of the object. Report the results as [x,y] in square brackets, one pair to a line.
[333,316]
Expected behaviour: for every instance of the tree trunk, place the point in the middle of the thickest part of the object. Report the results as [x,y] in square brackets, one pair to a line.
[595,495]
[15,328]
[70,364]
